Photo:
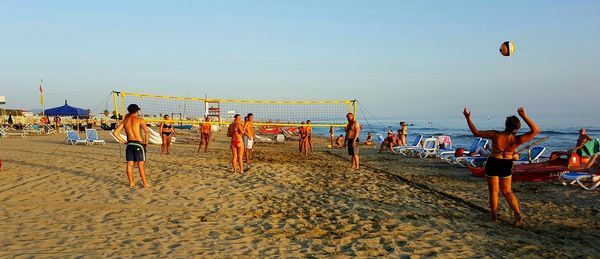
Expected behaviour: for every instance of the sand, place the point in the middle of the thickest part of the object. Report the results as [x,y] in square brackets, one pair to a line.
[61,200]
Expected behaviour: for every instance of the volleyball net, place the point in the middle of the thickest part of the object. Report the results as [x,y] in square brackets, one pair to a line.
[192,110]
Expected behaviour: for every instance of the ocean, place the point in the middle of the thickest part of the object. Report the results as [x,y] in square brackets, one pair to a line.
[562,133]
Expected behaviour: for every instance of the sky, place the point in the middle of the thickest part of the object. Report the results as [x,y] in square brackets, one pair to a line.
[417,59]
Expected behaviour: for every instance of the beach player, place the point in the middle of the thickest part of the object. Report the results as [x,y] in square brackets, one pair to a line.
[249,137]
[167,131]
[331,135]
[309,131]
[135,151]
[236,133]
[352,131]
[498,169]
[303,139]
[583,138]
[205,134]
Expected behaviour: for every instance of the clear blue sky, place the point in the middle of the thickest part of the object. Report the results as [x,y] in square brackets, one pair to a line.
[399,58]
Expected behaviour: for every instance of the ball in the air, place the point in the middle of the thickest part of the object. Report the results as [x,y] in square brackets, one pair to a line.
[329,146]
[507,48]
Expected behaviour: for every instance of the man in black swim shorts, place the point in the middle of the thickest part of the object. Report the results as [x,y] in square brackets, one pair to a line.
[135,153]
[352,131]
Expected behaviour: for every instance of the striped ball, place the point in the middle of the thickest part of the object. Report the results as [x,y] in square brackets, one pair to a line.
[507,48]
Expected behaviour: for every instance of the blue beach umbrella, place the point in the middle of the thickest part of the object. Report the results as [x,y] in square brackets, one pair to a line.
[66,110]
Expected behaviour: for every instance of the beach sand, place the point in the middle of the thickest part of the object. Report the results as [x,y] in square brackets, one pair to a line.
[61,200]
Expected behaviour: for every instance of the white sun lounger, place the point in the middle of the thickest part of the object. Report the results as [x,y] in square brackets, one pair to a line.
[92,138]
[74,139]
[4,134]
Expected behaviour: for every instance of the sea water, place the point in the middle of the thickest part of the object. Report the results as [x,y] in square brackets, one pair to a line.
[562,133]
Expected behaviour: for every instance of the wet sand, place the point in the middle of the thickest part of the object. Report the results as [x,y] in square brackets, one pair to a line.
[60,200]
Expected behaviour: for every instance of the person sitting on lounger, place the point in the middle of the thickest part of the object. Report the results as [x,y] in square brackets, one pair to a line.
[369,140]
[498,170]
[339,142]
[482,151]
[583,138]
[389,142]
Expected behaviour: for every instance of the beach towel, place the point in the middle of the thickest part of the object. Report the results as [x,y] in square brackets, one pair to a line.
[590,148]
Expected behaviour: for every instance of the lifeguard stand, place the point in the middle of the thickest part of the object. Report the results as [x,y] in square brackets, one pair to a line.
[213,111]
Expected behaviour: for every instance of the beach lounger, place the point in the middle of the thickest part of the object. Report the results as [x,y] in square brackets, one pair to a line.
[449,156]
[92,138]
[32,129]
[467,158]
[584,179]
[4,134]
[74,139]
[429,148]
[407,150]
[533,156]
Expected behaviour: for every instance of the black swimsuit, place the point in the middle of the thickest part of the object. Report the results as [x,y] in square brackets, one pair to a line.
[167,133]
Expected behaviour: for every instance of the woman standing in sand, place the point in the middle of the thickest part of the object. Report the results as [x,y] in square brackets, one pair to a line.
[205,133]
[236,133]
[498,169]
[166,129]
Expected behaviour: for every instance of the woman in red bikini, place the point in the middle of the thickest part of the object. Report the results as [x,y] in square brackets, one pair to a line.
[498,169]
[236,132]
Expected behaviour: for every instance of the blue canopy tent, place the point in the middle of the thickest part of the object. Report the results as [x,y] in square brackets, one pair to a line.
[67,110]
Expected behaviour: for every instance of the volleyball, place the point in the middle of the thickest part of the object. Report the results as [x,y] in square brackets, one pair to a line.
[507,48]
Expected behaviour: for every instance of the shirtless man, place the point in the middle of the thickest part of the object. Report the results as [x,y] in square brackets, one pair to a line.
[236,133]
[249,136]
[136,147]
[331,135]
[205,134]
[583,138]
[310,131]
[352,131]
[303,140]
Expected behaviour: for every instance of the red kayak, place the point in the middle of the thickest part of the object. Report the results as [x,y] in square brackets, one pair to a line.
[550,170]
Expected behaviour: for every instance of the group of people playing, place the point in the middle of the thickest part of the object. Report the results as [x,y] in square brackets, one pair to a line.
[498,169]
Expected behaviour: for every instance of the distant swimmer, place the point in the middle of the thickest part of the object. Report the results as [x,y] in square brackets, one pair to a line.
[236,133]
[339,142]
[303,139]
[332,135]
[582,140]
[369,140]
[309,132]
[352,132]
[389,142]
[249,137]
[205,134]
[136,147]
[498,169]
[167,132]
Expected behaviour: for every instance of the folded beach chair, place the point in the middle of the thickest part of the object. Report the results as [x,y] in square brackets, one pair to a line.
[73,138]
[532,156]
[407,150]
[92,138]
[429,148]
[4,134]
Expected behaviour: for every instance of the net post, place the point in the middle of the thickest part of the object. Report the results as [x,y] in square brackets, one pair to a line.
[116,105]
[122,103]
